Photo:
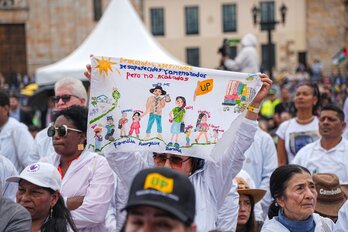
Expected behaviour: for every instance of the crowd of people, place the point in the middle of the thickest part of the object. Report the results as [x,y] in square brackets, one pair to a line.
[285,169]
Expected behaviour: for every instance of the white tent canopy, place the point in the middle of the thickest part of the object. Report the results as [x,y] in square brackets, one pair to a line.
[119,33]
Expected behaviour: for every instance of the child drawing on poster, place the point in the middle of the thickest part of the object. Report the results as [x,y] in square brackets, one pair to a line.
[98,138]
[110,128]
[135,126]
[202,127]
[122,124]
[216,135]
[188,131]
[176,117]
[154,106]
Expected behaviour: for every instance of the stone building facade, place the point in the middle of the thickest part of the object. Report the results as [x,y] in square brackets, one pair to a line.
[327,30]
[35,33]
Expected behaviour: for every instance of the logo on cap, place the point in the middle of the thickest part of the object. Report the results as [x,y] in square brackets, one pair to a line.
[158,182]
[33,168]
[330,192]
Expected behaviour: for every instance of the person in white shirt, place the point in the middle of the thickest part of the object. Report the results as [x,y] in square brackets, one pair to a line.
[297,132]
[15,138]
[7,169]
[342,221]
[329,154]
[260,162]
[295,197]
[212,180]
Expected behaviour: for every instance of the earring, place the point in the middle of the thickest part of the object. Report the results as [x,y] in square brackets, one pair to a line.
[51,214]
[80,147]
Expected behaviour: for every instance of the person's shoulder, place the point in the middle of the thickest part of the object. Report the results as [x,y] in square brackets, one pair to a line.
[323,222]
[14,124]
[315,120]
[97,157]
[345,141]
[6,165]
[305,153]
[12,209]
[263,134]
[309,147]
[17,127]
[283,126]
[273,225]
[42,135]
[285,123]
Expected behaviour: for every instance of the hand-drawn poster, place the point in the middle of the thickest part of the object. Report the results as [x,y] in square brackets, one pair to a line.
[145,106]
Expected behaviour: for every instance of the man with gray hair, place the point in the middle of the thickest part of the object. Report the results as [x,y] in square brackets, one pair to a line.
[68,92]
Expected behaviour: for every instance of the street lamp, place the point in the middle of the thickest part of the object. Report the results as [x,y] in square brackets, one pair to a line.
[269,25]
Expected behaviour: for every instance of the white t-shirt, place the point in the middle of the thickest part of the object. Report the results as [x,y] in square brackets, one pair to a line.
[297,135]
[319,160]
[342,221]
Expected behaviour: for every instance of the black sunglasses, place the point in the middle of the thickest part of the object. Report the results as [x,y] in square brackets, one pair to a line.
[65,98]
[62,130]
[175,161]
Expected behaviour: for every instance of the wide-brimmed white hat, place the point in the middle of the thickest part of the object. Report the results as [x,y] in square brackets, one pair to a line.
[41,174]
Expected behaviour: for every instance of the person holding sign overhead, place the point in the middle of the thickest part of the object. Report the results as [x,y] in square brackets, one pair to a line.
[212,181]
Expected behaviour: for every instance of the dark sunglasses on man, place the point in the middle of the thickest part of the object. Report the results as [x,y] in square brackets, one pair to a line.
[175,161]
[65,98]
[62,130]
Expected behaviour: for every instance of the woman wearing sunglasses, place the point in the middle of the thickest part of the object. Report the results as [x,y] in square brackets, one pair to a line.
[212,180]
[87,179]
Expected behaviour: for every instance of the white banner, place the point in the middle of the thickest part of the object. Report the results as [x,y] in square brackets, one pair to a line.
[145,106]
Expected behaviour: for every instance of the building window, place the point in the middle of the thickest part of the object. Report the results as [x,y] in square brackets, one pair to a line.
[265,56]
[229,17]
[191,19]
[192,56]
[157,21]
[267,14]
[97,10]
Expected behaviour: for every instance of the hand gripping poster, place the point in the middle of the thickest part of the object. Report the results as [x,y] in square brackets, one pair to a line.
[145,106]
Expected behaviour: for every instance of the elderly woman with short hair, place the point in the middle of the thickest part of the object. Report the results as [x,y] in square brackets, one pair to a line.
[293,190]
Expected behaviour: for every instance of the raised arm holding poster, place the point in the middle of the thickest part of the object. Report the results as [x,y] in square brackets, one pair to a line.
[140,105]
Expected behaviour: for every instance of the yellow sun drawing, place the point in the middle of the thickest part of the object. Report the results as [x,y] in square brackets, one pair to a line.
[104,65]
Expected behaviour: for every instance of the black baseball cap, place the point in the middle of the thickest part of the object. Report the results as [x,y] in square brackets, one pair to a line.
[165,189]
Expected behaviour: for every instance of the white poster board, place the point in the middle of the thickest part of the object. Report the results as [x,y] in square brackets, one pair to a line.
[145,106]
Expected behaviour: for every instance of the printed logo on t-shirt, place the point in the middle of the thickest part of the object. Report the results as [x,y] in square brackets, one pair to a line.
[301,139]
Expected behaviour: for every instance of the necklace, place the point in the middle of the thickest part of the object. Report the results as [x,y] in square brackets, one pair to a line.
[304,121]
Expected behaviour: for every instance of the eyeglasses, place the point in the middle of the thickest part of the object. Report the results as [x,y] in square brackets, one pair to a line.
[62,130]
[65,98]
[175,161]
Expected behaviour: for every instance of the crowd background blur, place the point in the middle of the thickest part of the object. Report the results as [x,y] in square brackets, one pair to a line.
[30,103]
[20,87]
[279,105]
